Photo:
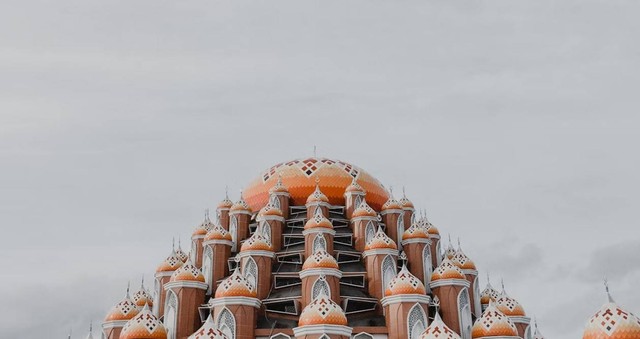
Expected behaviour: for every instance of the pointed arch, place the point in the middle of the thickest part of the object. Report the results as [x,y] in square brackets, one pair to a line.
[464,314]
[528,333]
[171,314]
[207,267]
[369,232]
[324,336]
[250,272]
[427,265]
[274,201]
[226,323]
[416,321]
[233,229]
[363,335]
[266,231]
[388,270]
[357,202]
[280,336]
[320,285]
[319,243]
[400,230]
[318,210]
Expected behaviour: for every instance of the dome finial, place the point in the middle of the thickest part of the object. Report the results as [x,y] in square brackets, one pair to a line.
[606,287]
[459,247]
[404,193]
[226,191]
[436,303]
[173,244]
[142,283]
[314,151]
[128,287]
[206,214]
[502,284]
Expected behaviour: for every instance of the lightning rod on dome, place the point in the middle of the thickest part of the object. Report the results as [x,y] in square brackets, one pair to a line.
[606,287]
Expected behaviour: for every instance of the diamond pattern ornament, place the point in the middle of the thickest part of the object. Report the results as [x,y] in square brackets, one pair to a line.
[322,311]
[208,330]
[405,283]
[494,323]
[612,322]
[438,330]
[144,326]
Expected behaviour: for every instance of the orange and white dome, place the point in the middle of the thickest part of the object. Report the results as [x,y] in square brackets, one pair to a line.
[240,206]
[391,204]
[447,270]
[218,233]
[187,272]
[493,323]
[226,203]
[299,176]
[364,210]
[354,187]
[438,330]
[380,241]
[204,227]
[612,322]
[124,310]
[322,311]
[488,294]
[208,330]
[317,196]
[404,202]
[318,220]
[405,283]
[172,263]
[144,326]
[235,286]
[431,229]
[509,306]
[142,297]
[270,210]
[462,260]
[180,253]
[416,231]
[320,259]
[256,243]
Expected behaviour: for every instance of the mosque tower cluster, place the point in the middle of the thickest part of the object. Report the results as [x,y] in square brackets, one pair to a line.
[318,249]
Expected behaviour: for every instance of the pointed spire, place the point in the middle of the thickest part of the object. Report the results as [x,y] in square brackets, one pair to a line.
[226,192]
[206,215]
[502,284]
[314,151]
[173,244]
[606,287]
[142,283]
[459,247]
[128,288]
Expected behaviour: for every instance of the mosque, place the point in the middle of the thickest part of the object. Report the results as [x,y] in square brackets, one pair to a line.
[319,249]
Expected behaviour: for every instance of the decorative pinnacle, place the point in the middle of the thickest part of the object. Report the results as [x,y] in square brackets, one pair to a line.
[502,284]
[226,191]
[459,247]
[91,328]
[436,303]
[128,287]
[173,244]
[606,287]
[404,193]
[142,283]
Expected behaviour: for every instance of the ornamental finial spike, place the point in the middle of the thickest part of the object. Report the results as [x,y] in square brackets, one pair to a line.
[606,287]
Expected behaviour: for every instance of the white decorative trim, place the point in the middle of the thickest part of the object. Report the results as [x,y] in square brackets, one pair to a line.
[392,210]
[409,298]
[218,242]
[231,301]
[317,203]
[520,319]
[186,283]
[197,237]
[284,194]
[260,253]
[320,271]
[240,212]
[470,272]
[449,282]
[416,241]
[113,324]
[379,251]
[319,230]
[346,194]
[405,209]
[164,274]
[223,208]
[270,218]
[322,329]
[365,218]
[434,236]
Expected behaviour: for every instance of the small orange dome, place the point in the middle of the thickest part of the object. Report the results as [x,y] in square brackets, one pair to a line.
[364,210]
[431,229]
[322,311]
[235,286]
[204,227]
[144,326]
[404,283]
[180,254]
[317,196]
[438,330]
[218,233]
[416,231]
[461,260]
[509,306]
[404,202]
[318,220]
[494,323]
[256,243]
[208,330]
[225,203]
[172,263]
[187,272]
[488,294]
[124,310]
[391,204]
[269,209]
[380,241]
[240,205]
[354,187]
[279,187]
[142,297]
[320,259]
[447,270]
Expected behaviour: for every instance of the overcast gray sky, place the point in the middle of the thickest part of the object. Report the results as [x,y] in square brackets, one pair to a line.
[513,122]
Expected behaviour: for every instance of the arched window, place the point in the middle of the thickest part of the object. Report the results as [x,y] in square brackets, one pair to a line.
[476,298]
[427,265]
[416,322]
[227,324]
[170,314]
[358,201]
[250,272]
[206,266]
[319,243]
[274,201]
[266,231]
[233,229]
[363,335]
[464,314]
[370,232]
[280,336]
[388,271]
[317,211]
[320,285]
[400,229]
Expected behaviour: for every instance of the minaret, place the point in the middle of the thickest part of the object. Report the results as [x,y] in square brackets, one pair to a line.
[393,217]
[381,262]
[217,251]
[417,247]
[407,209]
[185,292]
[322,318]
[122,312]
[494,324]
[353,195]
[281,194]
[406,306]
[256,258]
[272,220]
[318,234]
[364,222]
[197,237]
[142,296]
[451,287]
[317,200]
[512,309]
[239,218]
[320,274]
[468,267]
[163,275]
[223,210]
[144,325]
[235,306]
[434,236]
[90,335]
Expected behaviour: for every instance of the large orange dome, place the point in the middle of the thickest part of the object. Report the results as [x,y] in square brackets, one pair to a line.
[300,175]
